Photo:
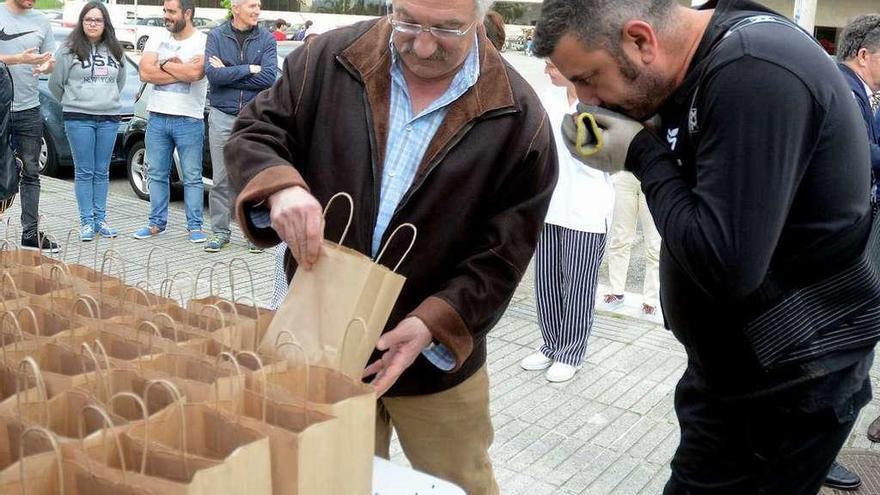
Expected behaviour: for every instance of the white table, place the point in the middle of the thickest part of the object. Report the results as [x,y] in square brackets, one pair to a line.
[391,479]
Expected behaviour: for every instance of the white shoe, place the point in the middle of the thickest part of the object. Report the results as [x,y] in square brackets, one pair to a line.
[560,372]
[535,362]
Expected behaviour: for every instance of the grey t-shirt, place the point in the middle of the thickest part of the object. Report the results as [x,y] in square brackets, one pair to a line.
[18,32]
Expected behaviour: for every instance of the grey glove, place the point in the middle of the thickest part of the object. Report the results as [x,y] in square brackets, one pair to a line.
[600,139]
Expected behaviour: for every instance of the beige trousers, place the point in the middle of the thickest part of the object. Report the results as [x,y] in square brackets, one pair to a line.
[446,434]
[630,207]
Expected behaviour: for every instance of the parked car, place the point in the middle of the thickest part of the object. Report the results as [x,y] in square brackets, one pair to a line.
[133,142]
[147,26]
[55,152]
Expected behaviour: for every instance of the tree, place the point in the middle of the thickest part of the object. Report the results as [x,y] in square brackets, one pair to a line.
[511,12]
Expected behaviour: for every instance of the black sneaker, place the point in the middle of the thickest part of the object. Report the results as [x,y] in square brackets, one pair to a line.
[31,243]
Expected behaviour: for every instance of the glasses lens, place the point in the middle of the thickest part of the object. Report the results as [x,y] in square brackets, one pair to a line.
[405,27]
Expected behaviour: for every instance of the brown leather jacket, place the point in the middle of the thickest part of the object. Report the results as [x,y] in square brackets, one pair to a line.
[478,198]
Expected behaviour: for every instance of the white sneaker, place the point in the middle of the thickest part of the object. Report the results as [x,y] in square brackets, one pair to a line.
[535,362]
[560,372]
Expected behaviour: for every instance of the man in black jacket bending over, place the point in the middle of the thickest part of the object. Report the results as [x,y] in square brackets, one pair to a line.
[758,179]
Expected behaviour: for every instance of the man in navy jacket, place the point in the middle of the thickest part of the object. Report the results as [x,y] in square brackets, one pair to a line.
[858,55]
[240,61]
[859,61]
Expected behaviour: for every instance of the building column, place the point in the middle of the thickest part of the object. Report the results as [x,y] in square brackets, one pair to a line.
[805,14]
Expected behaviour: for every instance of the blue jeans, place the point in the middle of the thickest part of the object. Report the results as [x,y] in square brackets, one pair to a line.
[91,143]
[27,134]
[164,133]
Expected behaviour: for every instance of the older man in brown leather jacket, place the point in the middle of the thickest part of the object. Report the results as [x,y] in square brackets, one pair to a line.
[421,121]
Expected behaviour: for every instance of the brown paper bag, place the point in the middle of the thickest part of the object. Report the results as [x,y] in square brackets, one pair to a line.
[199,449]
[24,388]
[250,321]
[303,459]
[199,378]
[10,297]
[342,286]
[38,469]
[350,401]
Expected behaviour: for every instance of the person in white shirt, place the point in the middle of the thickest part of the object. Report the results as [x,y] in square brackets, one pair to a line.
[175,63]
[570,248]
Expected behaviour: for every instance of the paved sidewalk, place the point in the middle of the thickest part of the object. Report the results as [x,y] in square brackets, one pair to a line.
[611,430]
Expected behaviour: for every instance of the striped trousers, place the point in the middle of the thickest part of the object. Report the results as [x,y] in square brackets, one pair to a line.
[566,275]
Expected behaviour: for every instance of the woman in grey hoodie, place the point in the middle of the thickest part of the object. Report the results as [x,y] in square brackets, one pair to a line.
[88,78]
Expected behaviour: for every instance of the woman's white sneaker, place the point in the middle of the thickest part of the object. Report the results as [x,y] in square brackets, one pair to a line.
[535,362]
[560,372]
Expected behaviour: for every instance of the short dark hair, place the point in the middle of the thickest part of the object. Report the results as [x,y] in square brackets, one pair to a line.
[595,22]
[494,25]
[187,5]
[861,32]
[279,23]
[308,23]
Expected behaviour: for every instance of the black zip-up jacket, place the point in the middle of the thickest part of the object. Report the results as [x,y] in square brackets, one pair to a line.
[478,198]
[760,172]
[233,86]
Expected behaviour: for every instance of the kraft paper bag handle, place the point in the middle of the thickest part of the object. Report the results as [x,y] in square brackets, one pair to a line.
[350,212]
[346,340]
[7,277]
[57,276]
[415,232]
[264,381]
[210,270]
[175,397]
[167,287]
[230,305]
[239,406]
[247,269]
[146,414]
[30,312]
[29,362]
[137,291]
[67,244]
[220,316]
[155,331]
[252,302]
[171,323]
[30,430]
[9,315]
[111,255]
[84,301]
[252,355]
[87,352]
[108,424]
[305,360]
[150,264]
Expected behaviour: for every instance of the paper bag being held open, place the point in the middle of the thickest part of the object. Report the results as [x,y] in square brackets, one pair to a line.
[343,285]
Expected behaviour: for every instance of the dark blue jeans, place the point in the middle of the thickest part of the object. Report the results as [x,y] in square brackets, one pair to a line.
[27,135]
[91,143]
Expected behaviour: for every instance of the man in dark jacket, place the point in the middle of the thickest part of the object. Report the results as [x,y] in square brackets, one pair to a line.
[758,180]
[858,56]
[240,61]
[419,118]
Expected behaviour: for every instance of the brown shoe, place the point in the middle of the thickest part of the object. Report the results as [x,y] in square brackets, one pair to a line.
[874,430]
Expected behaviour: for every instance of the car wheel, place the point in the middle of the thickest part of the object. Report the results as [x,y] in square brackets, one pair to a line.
[137,170]
[141,43]
[48,156]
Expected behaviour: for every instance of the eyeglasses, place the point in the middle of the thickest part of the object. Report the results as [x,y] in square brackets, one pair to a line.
[412,29]
[94,21]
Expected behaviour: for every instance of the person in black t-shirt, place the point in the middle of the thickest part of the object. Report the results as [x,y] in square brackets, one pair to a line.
[757,174]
